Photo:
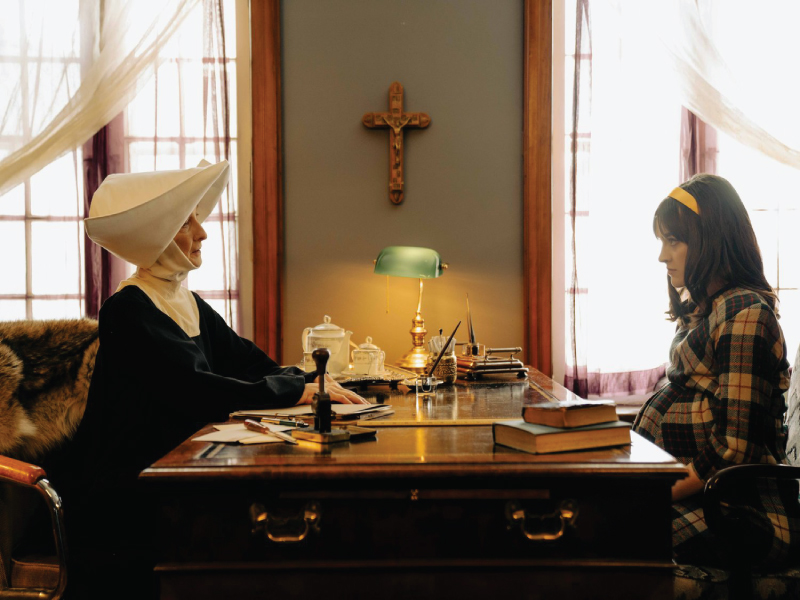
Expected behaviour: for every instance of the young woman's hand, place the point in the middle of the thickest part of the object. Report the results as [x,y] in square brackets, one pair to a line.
[334,390]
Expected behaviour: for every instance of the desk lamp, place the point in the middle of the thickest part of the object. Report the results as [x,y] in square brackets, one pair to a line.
[422,263]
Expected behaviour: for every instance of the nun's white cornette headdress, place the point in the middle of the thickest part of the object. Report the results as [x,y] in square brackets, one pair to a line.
[135,216]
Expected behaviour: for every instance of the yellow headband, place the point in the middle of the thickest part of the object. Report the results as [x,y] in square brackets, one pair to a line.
[685,198]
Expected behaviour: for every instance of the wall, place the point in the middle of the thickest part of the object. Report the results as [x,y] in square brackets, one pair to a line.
[459,61]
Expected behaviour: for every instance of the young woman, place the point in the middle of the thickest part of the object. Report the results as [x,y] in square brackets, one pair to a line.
[167,365]
[724,402]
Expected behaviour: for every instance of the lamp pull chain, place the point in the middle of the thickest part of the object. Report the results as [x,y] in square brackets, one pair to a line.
[387,294]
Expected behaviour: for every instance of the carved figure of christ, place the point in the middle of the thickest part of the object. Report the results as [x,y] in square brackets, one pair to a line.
[395,121]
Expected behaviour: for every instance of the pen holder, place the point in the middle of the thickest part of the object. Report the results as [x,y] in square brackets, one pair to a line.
[446,371]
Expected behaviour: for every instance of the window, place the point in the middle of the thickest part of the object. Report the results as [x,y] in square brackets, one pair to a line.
[770,190]
[631,151]
[627,159]
[185,112]
[184,115]
[41,229]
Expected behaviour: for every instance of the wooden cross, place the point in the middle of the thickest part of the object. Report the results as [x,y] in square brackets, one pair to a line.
[396,120]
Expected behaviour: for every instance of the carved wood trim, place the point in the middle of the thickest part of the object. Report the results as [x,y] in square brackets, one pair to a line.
[268,250]
[537,236]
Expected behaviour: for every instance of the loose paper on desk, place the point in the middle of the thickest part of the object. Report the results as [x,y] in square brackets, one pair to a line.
[305,409]
[232,433]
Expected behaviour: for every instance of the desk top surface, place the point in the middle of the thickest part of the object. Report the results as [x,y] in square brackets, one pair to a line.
[446,435]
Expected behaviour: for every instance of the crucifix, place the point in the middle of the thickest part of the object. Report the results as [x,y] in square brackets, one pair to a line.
[396,120]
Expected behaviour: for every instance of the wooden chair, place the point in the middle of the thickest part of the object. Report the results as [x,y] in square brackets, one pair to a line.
[45,370]
[740,581]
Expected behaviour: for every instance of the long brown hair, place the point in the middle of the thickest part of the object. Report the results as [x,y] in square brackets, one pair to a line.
[721,245]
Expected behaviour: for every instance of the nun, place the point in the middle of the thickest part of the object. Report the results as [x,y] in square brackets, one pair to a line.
[167,365]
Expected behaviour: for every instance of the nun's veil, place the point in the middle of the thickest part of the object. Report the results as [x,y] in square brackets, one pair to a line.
[135,216]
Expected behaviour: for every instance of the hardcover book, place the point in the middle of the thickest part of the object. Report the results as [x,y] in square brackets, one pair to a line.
[570,413]
[542,439]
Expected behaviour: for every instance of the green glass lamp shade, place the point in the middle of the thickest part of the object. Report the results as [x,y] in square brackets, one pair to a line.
[409,261]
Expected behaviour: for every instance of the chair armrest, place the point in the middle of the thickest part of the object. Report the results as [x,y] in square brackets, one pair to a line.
[712,494]
[20,472]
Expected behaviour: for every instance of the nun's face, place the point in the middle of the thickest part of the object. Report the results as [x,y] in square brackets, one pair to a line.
[190,239]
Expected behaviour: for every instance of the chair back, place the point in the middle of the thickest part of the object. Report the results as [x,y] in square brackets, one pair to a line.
[793,414]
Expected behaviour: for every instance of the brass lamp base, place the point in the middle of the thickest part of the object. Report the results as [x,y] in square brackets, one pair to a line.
[415,360]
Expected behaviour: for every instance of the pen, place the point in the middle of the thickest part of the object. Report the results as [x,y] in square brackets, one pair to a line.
[256,426]
[447,343]
[286,422]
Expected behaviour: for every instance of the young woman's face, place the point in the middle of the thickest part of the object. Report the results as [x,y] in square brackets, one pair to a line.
[190,238]
[673,255]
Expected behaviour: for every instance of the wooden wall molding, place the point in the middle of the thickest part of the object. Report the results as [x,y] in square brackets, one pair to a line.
[537,212]
[268,234]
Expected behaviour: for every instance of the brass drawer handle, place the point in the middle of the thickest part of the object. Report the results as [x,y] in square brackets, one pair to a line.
[566,514]
[299,525]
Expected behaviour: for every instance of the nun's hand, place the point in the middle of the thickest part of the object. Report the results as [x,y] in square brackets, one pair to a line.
[334,390]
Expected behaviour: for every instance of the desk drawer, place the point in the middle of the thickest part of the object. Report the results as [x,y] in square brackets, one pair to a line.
[583,519]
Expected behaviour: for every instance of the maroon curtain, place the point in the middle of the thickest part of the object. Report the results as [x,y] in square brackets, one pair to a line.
[102,155]
[698,146]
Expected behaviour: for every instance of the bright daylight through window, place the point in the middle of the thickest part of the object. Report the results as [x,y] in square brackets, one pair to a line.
[183,111]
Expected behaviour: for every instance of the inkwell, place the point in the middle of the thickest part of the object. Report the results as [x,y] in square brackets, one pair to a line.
[322,433]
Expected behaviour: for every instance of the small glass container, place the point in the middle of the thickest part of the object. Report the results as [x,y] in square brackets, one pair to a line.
[425,386]
[447,370]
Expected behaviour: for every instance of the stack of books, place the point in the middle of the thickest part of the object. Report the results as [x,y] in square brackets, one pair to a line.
[562,426]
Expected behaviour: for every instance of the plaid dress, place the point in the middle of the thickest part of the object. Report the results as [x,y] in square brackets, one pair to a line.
[724,406]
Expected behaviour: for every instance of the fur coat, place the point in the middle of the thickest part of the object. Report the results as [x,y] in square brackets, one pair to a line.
[45,371]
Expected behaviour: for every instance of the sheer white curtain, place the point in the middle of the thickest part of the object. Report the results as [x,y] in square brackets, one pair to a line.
[40,231]
[765,68]
[67,68]
[734,65]
[728,79]
[64,107]
[632,133]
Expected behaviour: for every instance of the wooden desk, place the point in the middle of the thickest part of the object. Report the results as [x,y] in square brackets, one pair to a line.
[418,512]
